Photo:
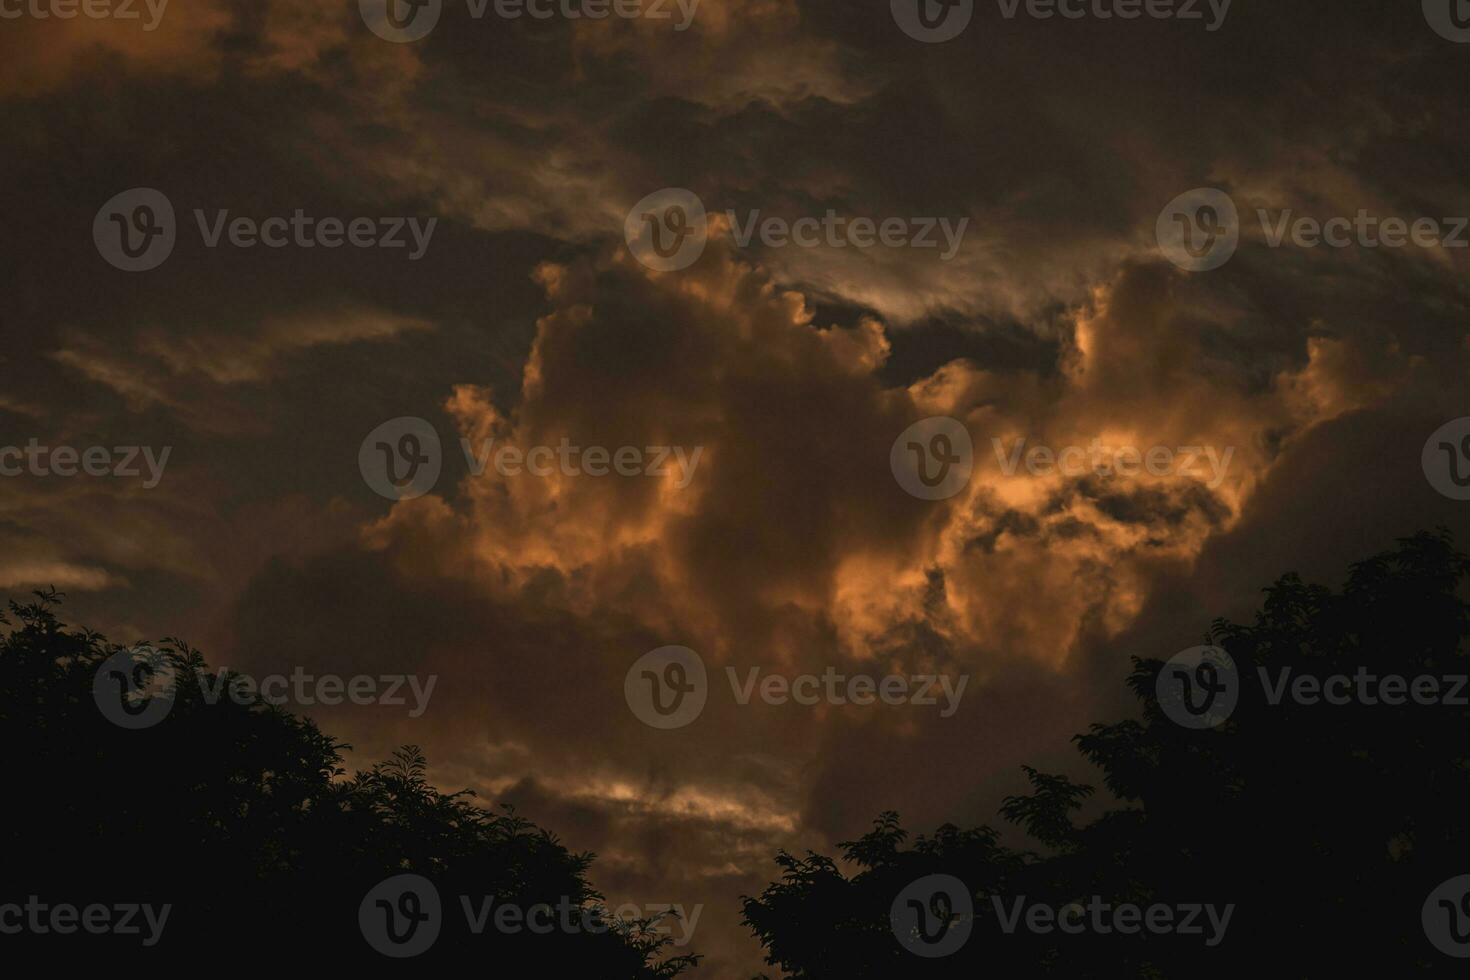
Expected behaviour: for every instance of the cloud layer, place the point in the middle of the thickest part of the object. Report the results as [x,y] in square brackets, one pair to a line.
[1313,376]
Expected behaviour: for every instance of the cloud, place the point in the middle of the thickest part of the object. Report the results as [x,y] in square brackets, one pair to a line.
[176,39]
[169,368]
[792,549]
[63,575]
[231,359]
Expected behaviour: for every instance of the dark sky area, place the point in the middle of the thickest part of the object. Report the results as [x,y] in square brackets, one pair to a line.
[1313,373]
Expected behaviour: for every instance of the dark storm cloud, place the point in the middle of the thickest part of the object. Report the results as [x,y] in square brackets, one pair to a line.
[792,548]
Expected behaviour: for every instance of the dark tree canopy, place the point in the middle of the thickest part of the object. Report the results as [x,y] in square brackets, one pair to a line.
[1327,826]
[243,819]
[1324,826]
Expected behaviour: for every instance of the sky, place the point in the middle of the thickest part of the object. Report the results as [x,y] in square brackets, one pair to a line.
[472,230]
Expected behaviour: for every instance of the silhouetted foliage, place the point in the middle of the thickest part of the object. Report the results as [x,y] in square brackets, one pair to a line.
[1326,825]
[242,817]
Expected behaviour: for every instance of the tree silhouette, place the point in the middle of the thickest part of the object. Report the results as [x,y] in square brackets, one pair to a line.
[242,817]
[1327,826]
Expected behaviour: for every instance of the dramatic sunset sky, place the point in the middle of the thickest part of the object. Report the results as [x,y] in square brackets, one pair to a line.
[793,548]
